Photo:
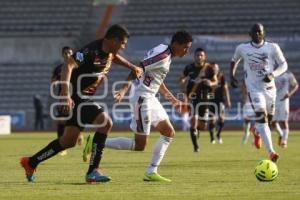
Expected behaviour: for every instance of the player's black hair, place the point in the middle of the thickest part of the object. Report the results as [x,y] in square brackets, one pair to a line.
[255,26]
[65,48]
[181,37]
[117,31]
[199,50]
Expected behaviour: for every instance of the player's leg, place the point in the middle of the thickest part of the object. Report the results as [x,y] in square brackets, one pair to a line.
[275,125]
[140,124]
[220,123]
[167,133]
[68,140]
[211,117]
[92,113]
[193,132]
[246,125]
[185,122]
[161,122]
[249,116]
[264,109]
[285,133]
[60,128]
[282,118]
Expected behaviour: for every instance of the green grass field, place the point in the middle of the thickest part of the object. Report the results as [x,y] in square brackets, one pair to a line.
[216,172]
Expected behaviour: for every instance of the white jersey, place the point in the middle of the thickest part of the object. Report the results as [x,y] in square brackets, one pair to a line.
[258,61]
[283,84]
[156,65]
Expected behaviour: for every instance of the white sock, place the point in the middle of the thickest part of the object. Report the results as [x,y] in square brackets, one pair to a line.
[279,130]
[264,130]
[159,151]
[285,135]
[120,143]
[185,122]
[247,126]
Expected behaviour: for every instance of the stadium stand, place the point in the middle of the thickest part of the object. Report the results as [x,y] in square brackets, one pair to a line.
[42,18]
[163,17]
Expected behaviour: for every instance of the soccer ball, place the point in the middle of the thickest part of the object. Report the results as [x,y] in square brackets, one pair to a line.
[266,170]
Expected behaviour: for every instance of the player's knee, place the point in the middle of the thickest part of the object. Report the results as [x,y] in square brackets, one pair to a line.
[261,117]
[170,133]
[105,125]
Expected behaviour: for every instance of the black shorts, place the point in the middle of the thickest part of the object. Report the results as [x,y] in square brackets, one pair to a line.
[59,114]
[200,109]
[84,114]
[217,109]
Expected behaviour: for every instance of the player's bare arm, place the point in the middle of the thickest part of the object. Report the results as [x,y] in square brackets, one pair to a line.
[119,95]
[170,97]
[211,82]
[67,69]
[183,82]
[233,80]
[118,59]
[294,87]
[227,96]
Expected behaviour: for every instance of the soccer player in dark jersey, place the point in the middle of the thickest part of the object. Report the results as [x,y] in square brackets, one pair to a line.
[66,52]
[85,71]
[194,75]
[220,98]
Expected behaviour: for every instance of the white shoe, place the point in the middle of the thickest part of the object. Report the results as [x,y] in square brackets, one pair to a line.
[213,142]
[220,141]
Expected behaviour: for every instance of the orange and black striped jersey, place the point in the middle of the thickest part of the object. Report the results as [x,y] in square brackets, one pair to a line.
[93,64]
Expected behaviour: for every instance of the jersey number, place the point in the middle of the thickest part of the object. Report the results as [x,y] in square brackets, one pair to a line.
[147,80]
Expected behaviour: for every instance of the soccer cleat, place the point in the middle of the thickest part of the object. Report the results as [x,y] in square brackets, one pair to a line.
[213,142]
[274,156]
[196,150]
[87,148]
[257,138]
[95,177]
[155,177]
[220,141]
[29,171]
[63,153]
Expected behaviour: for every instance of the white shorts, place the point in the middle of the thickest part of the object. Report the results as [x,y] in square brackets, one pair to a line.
[147,111]
[248,112]
[263,100]
[282,110]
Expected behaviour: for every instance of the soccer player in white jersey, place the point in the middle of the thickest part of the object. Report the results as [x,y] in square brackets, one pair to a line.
[286,85]
[259,58]
[147,108]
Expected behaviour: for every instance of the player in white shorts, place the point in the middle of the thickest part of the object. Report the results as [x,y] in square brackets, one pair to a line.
[286,85]
[147,108]
[259,58]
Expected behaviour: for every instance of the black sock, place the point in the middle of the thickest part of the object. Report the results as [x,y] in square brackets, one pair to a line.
[97,149]
[49,151]
[211,128]
[60,130]
[221,125]
[193,133]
